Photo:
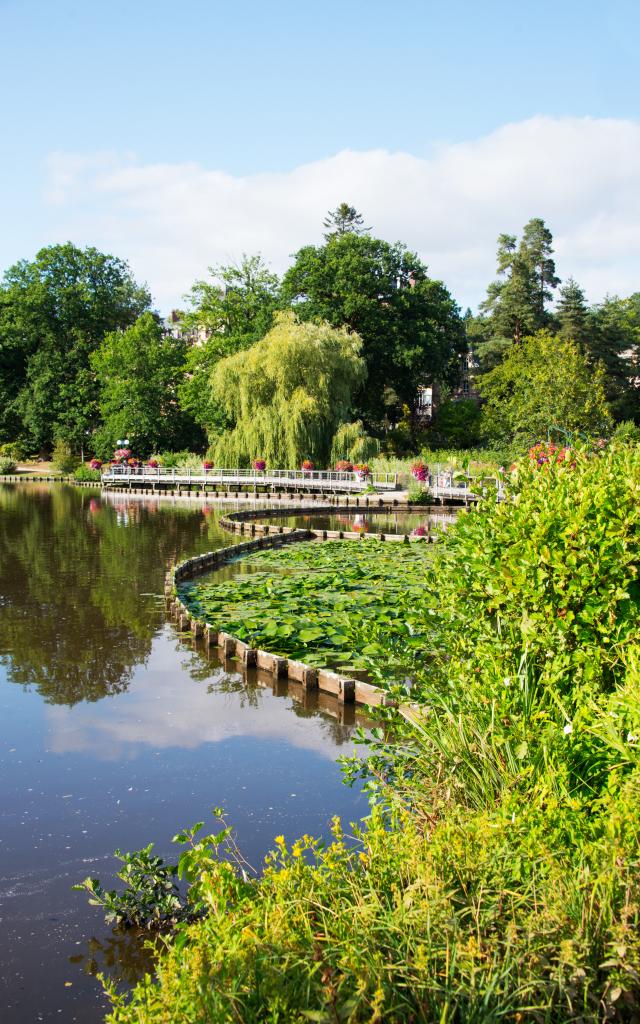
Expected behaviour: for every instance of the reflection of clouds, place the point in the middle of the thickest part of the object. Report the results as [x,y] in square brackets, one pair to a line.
[165,707]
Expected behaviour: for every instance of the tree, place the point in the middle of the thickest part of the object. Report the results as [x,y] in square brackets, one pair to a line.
[54,312]
[288,394]
[545,383]
[537,249]
[344,219]
[516,301]
[614,338]
[139,371]
[456,424]
[232,311]
[237,306]
[410,326]
[572,313]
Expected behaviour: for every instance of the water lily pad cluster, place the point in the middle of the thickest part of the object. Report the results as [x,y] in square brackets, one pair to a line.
[331,604]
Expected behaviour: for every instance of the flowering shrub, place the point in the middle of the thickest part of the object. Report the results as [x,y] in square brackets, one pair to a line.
[420,471]
[550,454]
[95,464]
[153,463]
[307,465]
[207,465]
[121,455]
[362,470]
[133,463]
[344,466]
[259,465]
[420,531]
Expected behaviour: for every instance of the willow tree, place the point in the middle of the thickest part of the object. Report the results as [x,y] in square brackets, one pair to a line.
[287,395]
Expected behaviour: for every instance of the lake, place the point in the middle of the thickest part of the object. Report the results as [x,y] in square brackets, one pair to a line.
[116,732]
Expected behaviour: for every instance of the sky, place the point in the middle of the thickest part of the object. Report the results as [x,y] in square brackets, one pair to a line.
[180,135]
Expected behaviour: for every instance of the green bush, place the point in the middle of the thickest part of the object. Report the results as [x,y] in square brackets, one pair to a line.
[63,458]
[417,494]
[7,465]
[181,460]
[85,474]
[15,450]
[627,431]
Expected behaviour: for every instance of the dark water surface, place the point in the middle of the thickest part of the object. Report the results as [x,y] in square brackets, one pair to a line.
[115,733]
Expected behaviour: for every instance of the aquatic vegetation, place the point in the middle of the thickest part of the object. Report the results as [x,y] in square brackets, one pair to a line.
[325,603]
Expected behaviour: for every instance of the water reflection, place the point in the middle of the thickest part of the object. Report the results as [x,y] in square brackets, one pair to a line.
[81,619]
[77,585]
[147,717]
[419,523]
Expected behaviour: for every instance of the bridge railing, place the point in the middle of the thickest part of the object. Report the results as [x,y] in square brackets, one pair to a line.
[316,479]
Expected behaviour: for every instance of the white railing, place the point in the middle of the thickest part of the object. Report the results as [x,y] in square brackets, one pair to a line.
[296,478]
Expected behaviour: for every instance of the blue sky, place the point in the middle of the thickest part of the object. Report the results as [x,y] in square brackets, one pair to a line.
[177,96]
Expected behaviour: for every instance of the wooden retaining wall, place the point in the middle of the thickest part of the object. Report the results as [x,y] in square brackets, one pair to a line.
[247,521]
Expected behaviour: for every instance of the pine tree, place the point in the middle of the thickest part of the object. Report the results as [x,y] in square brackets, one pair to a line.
[536,248]
[342,220]
[572,313]
[515,303]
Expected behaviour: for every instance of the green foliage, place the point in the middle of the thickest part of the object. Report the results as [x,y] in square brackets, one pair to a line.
[7,465]
[54,312]
[410,326]
[457,424]
[13,450]
[342,220]
[614,340]
[63,458]
[84,473]
[139,371]
[515,303]
[151,898]
[572,313]
[417,494]
[627,432]
[287,395]
[544,382]
[496,877]
[327,605]
[233,312]
[352,443]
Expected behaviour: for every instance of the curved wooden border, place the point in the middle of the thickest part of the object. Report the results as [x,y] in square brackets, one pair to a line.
[343,688]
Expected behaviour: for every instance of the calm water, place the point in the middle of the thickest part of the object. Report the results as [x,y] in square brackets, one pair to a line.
[114,732]
[370,522]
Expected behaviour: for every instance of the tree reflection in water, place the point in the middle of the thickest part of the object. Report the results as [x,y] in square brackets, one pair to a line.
[81,585]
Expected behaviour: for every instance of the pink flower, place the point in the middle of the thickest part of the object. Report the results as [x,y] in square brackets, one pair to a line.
[259,465]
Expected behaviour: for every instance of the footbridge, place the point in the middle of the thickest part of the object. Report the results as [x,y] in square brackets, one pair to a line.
[325,482]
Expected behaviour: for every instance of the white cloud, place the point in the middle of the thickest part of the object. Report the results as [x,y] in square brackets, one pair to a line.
[173,220]
[165,707]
